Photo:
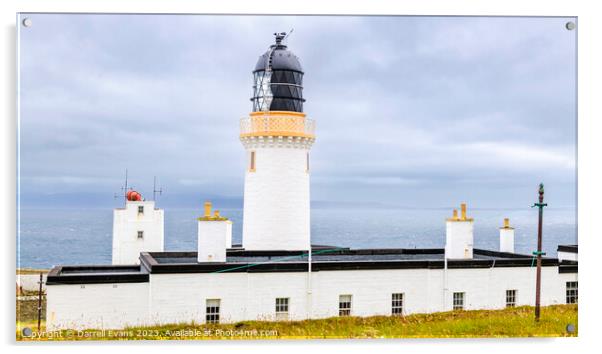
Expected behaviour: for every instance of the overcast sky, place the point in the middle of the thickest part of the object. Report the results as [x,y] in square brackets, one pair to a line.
[410,111]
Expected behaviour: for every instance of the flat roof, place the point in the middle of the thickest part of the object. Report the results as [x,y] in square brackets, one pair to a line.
[568,248]
[346,255]
[324,258]
[97,274]
[335,258]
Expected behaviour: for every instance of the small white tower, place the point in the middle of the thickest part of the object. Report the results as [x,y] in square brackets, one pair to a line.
[214,236]
[277,138]
[459,235]
[138,227]
[507,237]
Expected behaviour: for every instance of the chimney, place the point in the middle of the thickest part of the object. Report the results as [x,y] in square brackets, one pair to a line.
[455,215]
[214,236]
[459,235]
[507,237]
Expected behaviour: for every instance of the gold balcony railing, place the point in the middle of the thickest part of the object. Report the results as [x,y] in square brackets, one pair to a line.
[270,124]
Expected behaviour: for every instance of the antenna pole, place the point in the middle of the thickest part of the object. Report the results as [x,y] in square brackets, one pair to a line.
[40,303]
[288,34]
[539,253]
[125,190]
[155,190]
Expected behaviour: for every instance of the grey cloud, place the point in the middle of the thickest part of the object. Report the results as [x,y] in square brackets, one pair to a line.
[408,108]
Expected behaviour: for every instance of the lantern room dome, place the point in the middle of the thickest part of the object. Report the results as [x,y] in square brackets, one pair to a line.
[278,80]
[278,57]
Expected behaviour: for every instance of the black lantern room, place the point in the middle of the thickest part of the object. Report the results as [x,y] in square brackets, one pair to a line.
[278,80]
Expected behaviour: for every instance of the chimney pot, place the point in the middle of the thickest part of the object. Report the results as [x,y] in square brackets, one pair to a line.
[207,209]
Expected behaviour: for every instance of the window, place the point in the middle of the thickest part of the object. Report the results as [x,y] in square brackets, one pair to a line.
[510,298]
[140,234]
[282,308]
[252,162]
[458,301]
[344,305]
[307,163]
[571,292]
[212,313]
[140,209]
[397,304]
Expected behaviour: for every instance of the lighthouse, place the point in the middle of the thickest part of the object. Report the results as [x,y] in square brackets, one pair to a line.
[277,137]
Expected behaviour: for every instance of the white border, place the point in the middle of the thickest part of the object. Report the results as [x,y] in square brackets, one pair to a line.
[589,162]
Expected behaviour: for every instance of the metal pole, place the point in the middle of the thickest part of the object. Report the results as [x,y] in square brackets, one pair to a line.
[309,289]
[40,303]
[539,253]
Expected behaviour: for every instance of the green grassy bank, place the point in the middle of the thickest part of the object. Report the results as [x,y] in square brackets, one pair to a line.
[511,322]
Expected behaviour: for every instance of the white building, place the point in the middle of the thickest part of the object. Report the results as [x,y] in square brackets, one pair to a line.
[567,253]
[273,275]
[137,227]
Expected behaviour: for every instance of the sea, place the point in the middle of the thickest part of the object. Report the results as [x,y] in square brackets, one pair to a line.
[50,237]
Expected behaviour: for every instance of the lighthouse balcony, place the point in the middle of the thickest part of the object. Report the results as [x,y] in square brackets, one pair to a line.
[277,124]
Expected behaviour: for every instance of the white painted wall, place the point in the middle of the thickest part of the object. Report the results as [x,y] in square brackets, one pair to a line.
[252,296]
[30,282]
[506,240]
[97,306]
[459,239]
[229,235]
[569,256]
[276,196]
[174,298]
[213,236]
[244,296]
[126,224]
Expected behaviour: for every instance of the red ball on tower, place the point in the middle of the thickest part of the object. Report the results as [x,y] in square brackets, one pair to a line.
[133,196]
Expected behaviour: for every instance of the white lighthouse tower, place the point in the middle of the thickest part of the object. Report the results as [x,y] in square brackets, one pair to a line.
[277,137]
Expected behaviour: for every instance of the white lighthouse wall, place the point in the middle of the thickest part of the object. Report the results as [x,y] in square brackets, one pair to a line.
[97,306]
[181,298]
[126,224]
[486,288]
[566,277]
[243,296]
[276,199]
[252,296]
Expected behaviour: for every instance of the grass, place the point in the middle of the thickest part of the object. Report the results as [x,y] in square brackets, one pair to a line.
[27,310]
[31,271]
[511,322]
